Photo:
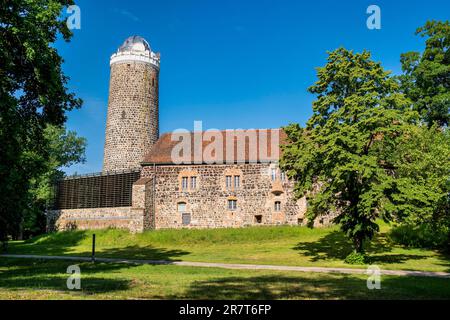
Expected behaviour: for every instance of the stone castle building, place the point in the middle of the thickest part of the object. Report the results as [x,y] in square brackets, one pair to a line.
[220,179]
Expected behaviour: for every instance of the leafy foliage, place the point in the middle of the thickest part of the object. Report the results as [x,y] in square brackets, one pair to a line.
[356,258]
[420,236]
[33,94]
[427,76]
[358,117]
[65,149]
[420,191]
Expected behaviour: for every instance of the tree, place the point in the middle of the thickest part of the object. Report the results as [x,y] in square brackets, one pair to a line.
[65,148]
[426,79]
[420,193]
[33,94]
[358,118]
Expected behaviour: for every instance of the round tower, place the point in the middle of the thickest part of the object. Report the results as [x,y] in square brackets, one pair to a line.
[133,123]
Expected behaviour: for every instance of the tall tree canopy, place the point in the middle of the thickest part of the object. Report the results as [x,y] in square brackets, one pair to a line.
[426,79]
[33,94]
[344,150]
[65,148]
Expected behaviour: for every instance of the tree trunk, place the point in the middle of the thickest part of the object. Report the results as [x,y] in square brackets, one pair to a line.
[358,244]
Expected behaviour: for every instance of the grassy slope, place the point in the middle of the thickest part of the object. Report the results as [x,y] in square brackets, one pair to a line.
[298,246]
[33,279]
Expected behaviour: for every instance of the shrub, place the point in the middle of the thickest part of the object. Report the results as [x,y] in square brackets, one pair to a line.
[356,258]
[422,236]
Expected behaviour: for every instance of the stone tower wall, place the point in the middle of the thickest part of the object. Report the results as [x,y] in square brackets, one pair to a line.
[132,124]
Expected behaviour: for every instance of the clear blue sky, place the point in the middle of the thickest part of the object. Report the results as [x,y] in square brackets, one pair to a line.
[231,64]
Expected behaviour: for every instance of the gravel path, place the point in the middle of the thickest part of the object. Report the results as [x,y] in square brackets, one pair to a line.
[237,266]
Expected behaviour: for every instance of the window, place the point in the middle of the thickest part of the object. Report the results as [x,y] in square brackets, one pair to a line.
[277,206]
[300,221]
[228,182]
[153,82]
[184,183]
[232,205]
[237,182]
[186,218]
[258,219]
[273,174]
[193,183]
[182,207]
[283,176]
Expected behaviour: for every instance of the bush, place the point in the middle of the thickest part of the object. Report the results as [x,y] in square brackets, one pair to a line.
[356,258]
[423,236]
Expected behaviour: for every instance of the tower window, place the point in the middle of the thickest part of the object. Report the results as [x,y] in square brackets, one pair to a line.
[232,205]
[277,206]
[153,82]
[123,115]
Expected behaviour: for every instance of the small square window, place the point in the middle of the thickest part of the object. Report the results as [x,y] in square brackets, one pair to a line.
[277,206]
[232,205]
[258,219]
[181,207]
[300,221]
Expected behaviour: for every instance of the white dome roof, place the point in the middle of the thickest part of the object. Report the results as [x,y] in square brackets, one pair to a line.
[135,43]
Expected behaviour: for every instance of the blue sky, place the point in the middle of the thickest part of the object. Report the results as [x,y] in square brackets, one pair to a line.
[231,64]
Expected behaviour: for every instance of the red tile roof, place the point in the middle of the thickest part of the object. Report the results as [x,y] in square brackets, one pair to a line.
[261,145]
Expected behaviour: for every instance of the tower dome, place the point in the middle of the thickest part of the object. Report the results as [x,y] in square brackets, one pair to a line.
[135,49]
[135,43]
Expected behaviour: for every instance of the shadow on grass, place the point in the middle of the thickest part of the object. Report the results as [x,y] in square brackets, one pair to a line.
[64,243]
[320,287]
[142,253]
[52,275]
[59,243]
[336,246]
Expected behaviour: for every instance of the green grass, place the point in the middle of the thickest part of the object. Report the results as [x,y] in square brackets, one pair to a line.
[37,279]
[294,246]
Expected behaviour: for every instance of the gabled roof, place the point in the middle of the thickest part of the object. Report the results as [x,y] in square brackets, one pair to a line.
[255,146]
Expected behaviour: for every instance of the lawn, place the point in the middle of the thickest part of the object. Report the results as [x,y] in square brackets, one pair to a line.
[292,246]
[37,279]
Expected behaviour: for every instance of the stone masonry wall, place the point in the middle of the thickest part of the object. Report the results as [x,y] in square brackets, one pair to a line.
[208,202]
[132,124]
[98,218]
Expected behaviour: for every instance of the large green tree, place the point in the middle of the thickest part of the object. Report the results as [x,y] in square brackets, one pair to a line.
[343,153]
[65,148]
[33,94]
[426,79]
